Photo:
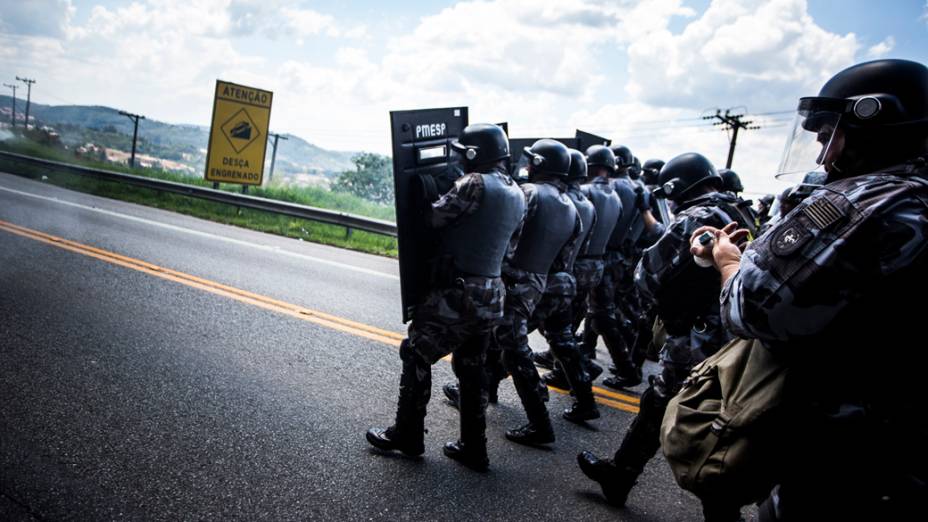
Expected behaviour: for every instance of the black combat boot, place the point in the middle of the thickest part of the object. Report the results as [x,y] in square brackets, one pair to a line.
[474,456]
[592,369]
[471,448]
[390,439]
[452,393]
[616,482]
[408,431]
[624,379]
[583,409]
[533,433]
[556,379]
[543,359]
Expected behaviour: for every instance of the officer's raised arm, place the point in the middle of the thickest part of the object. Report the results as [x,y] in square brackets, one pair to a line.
[464,198]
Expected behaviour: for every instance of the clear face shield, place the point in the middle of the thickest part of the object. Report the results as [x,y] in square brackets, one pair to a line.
[811,145]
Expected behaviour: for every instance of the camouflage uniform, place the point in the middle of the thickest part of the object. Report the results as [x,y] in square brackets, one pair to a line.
[553,316]
[456,317]
[524,291]
[605,316]
[833,288]
[686,297]
[639,308]
[555,312]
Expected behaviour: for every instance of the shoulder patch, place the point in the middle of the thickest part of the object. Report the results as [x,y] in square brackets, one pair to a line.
[790,239]
[823,213]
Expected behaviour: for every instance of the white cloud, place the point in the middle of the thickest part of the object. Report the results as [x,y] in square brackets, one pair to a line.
[881,49]
[546,66]
[762,51]
[48,18]
[306,22]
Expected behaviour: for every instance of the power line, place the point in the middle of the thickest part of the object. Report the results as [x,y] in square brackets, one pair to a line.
[770,113]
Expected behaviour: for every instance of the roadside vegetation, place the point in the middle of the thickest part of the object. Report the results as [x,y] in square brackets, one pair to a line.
[253,219]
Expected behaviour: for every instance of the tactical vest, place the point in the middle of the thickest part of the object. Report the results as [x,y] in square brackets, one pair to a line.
[608,209]
[621,234]
[546,232]
[690,291]
[478,241]
[587,213]
[732,206]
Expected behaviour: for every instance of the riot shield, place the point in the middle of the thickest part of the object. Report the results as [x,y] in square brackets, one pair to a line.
[586,140]
[663,210]
[421,157]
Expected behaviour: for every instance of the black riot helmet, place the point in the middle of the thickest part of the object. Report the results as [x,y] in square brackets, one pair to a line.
[623,156]
[683,174]
[549,157]
[731,181]
[482,144]
[651,170]
[634,170]
[866,117]
[600,156]
[578,169]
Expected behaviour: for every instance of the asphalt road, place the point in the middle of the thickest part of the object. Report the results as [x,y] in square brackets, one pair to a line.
[126,393]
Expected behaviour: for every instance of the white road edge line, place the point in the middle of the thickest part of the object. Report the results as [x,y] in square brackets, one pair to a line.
[266,248]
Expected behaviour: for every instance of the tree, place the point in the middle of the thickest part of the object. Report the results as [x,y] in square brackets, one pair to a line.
[372,178]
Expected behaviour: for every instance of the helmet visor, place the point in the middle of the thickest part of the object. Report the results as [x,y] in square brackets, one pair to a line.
[807,146]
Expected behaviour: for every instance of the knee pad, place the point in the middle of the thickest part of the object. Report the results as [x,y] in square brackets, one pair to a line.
[406,351]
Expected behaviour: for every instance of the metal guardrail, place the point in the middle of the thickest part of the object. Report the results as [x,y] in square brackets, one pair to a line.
[349,221]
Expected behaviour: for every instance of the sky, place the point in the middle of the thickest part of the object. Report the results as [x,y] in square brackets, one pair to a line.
[639,72]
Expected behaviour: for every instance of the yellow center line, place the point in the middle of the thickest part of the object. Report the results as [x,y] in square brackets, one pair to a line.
[604,400]
[268,303]
[614,395]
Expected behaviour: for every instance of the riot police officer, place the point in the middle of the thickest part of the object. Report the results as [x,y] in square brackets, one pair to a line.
[621,254]
[686,297]
[589,265]
[650,172]
[830,289]
[624,160]
[764,211]
[555,311]
[479,218]
[604,319]
[731,182]
[549,235]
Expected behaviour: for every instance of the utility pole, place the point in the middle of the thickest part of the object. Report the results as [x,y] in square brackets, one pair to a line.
[135,132]
[734,123]
[13,116]
[274,155]
[28,83]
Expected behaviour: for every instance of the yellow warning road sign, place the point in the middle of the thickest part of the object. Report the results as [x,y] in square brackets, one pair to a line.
[238,135]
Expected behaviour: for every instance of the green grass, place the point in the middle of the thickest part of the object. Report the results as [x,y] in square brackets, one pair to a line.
[253,219]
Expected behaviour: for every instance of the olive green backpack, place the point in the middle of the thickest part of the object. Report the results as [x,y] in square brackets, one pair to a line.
[723,433]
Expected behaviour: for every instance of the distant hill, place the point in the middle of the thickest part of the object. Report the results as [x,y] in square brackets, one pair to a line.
[104,126]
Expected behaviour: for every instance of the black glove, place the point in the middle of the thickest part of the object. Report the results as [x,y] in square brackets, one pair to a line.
[642,199]
[429,188]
